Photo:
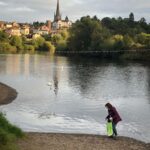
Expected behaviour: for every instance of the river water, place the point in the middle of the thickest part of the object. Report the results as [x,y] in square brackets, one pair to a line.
[67,95]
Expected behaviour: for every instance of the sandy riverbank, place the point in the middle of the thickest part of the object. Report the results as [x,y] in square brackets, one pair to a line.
[47,141]
[7,94]
[43,141]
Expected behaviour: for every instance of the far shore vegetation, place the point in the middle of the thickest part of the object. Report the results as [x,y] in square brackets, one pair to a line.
[8,134]
[88,34]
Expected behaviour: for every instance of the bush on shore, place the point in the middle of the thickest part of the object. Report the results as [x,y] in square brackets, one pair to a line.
[7,48]
[8,134]
[47,46]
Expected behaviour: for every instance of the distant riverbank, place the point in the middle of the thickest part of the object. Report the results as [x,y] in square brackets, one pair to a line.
[7,94]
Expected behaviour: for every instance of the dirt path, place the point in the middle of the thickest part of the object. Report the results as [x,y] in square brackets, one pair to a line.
[7,94]
[41,141]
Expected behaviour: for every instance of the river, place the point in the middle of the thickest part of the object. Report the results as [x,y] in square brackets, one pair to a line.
[68,94]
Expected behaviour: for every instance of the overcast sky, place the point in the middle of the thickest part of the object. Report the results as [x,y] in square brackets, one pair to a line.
[42,10]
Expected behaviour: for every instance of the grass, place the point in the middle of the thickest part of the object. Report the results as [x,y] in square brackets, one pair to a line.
[8,134]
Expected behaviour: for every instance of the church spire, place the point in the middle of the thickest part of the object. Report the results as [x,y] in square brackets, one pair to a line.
[57,16]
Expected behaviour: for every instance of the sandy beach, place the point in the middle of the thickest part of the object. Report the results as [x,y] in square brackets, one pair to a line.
[7,94]
[43,141]
[50,141]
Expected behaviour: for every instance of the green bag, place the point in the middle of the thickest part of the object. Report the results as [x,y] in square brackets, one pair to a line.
[109,128]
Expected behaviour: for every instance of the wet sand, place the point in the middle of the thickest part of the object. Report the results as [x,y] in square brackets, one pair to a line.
[49,141]
[43,141]
[7,94]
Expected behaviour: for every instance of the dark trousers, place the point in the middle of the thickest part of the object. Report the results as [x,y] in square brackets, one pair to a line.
[114,129]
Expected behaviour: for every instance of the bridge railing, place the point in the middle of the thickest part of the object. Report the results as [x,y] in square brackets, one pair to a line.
[103,51]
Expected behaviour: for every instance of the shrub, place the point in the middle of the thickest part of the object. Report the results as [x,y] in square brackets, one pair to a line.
[38,42]
[4,124]
[5,137]
[6,47]
[16,41]
[3,36]
[8,134]
[29,48]
[47,46]
[62,45]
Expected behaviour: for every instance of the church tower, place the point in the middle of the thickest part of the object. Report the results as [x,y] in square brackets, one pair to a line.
[57,15]
[59,24]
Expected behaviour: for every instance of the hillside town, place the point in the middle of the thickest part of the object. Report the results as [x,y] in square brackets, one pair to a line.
[36,29]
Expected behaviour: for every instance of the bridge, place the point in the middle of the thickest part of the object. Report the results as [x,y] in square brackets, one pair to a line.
[104,52]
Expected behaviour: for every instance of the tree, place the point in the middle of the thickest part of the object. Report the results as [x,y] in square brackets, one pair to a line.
[131,17]
[62,45]
[47,46]
[107,22]
[38,24]
[7,48]
[16,41]
[56,38]
[64,34]
[98,36]
[118,45]
[38,42]
[142,20]
[3,36]
[144,39]
[86,34]
[29,48]
[128,42]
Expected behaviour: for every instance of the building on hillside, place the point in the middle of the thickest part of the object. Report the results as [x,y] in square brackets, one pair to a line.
[49,25]
[58,23]
[43,30]
[13,31]
[14,28]
[15,24]
[35,36]
[25,30]
[2,25]
[8,25]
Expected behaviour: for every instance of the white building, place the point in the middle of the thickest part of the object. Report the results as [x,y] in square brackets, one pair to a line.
[58,23]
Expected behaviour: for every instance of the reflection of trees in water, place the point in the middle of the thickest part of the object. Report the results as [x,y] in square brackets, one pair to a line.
[3,60]
[83,72]
[148,81]
[86,74]
[55,80]
[57,72]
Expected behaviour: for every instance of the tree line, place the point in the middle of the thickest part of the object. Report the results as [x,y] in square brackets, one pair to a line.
[109,34]
[86,34]
[21,44]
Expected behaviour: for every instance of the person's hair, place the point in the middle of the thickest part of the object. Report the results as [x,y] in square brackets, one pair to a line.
[108,105]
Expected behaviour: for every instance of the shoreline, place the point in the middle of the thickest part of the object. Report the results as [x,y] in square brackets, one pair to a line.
[7,94]
[64,141]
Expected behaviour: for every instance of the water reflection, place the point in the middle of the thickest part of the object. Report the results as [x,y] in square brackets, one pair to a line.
[16,65]
[82,74]
[56,75]
[148,83]
[108,79]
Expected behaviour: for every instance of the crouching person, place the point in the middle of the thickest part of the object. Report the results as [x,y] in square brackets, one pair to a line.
[114,116]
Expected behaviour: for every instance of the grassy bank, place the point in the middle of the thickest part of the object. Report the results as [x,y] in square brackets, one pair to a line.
[8,134]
